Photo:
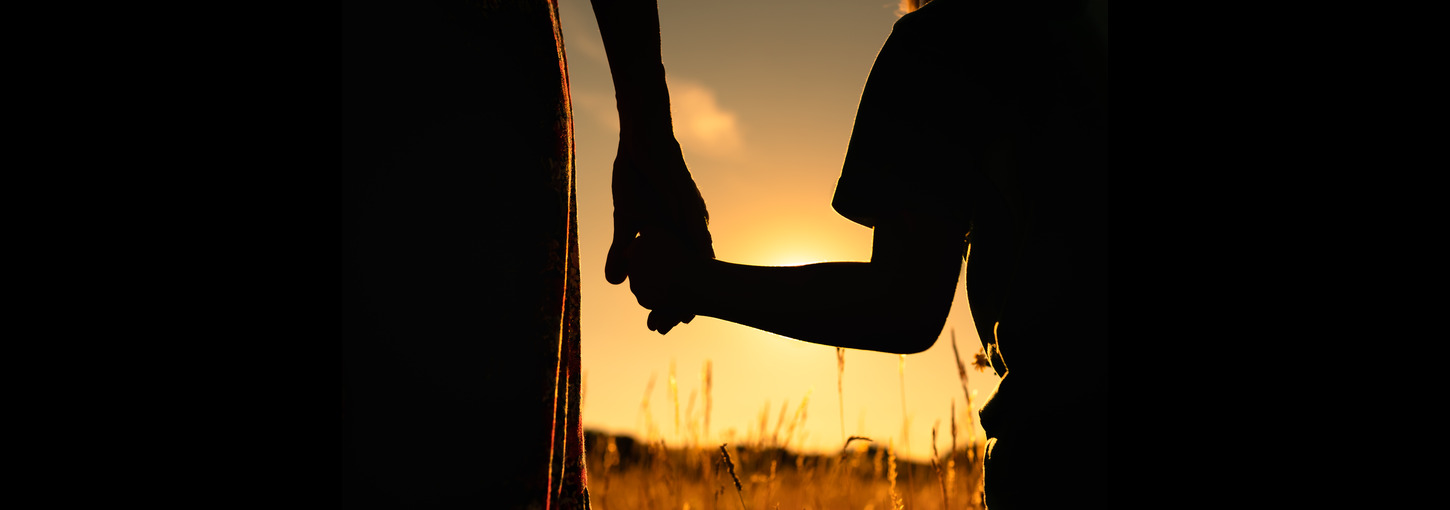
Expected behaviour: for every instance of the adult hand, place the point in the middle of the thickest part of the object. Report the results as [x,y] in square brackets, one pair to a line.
[654,194]
[659,269]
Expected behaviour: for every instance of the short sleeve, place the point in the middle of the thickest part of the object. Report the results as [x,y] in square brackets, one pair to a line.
[910,144]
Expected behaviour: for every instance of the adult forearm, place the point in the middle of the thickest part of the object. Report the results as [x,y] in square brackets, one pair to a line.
[631,33]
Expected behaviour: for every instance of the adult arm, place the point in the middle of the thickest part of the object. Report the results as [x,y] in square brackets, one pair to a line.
[653,190]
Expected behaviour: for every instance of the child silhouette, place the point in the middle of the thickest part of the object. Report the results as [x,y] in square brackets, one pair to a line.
[982,137]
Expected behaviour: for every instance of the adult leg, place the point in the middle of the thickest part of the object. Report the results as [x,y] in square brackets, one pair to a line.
[456,183]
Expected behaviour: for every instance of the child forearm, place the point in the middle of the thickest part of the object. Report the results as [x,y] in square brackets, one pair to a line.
[858,305]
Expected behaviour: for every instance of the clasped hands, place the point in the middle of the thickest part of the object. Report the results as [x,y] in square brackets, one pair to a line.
[660,227]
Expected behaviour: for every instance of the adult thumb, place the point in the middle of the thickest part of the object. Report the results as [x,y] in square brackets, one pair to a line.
[616,264]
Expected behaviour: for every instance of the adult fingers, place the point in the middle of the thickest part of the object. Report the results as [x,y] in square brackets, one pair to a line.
[662,321]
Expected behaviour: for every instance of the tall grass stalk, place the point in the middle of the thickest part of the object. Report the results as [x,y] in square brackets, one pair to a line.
[962,374]
[611,459]
[840,392]
[764,421]
[974,458]
[675,398]
[906,429]
[896,502]
[952,454]
[645,414]
[796,420]
[779,422]
[731,466]
[941,479]
[854,438]
[707,376]
[770,483]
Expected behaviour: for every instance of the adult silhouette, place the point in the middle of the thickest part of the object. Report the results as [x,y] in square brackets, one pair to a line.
[982,137]
[460,282]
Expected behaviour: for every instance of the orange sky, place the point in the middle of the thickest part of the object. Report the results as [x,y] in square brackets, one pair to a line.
[764,96]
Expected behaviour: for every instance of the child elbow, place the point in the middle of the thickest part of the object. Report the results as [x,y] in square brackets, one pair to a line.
[915,333]
[925,320]
[921,339]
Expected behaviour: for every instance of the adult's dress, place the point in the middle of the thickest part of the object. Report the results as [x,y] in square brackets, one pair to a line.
[459,262]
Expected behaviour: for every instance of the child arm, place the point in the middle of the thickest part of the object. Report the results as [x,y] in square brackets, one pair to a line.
[897,302]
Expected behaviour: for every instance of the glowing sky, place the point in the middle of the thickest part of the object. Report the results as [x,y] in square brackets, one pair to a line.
[764,95]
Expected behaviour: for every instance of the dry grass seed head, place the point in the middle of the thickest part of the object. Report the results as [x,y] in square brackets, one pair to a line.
[729,464]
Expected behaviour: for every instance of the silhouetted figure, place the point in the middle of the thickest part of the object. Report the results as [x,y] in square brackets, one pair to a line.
[982,134]
[459,320]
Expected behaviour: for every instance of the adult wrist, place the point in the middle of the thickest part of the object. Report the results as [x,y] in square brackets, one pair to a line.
[642,119]
[643,99]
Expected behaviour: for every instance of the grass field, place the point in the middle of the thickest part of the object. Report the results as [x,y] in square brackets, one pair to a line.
[763,472]
[626,474]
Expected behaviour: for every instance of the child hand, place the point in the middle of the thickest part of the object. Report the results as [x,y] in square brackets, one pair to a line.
[659,271]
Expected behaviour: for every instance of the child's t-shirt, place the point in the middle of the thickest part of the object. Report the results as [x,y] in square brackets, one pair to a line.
[996,119]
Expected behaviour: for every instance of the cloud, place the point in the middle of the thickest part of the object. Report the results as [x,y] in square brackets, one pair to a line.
[701,124]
